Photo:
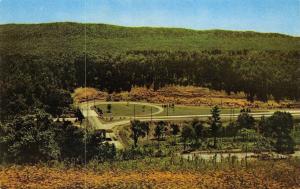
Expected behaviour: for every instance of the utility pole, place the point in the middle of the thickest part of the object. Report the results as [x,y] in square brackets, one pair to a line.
[167,109]
[94,101]
[294,130]
[151,114]
[230,114]
[134,111]
[246,158]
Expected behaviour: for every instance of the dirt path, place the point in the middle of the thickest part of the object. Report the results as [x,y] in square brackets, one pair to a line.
[222,156]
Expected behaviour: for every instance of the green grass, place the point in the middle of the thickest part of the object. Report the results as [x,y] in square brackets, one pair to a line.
[296,136]
[120,110]
[192,110]
[197,110]
[296,131]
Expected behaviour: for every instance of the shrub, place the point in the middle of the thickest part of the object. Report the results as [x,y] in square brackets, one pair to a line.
[29,139]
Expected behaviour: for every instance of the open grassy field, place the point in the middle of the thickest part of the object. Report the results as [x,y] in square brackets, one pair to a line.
[130,109]
[127,109]
[197,110]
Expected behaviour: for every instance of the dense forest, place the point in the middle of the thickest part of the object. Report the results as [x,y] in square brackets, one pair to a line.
[54,39]
[42,63]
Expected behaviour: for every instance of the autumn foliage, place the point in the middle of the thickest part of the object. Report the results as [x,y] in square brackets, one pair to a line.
[273,175]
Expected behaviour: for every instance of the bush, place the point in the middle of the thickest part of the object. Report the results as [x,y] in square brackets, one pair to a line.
[32,139]
[245,120]
[279,127]
[247,134]
[70,140]
[285,144]
[98,149]
[263,144]
[29,139]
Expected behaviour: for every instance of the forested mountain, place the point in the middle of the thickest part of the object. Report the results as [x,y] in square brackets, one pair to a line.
[42,63]
[53,38]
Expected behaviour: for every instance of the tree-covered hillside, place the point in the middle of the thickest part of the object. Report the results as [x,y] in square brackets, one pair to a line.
[55,38]
[42,63]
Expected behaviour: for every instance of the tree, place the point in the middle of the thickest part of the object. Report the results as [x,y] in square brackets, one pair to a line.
[175,131]
[98,148]
[231,129]
[3,142]
[57,100]
[30,139]
[187,133]
[279,127]
[137,131]
[198,128]
[37,138]
[215,123]
[29,81]
[246,134]
[146,128]
[70,140]
[245,120]
[281,123]
[108,107]
[262,126]
[159,130]
[79,115]
[285,144]
[263,144]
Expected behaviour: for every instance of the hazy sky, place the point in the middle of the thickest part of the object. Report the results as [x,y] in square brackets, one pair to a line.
[281,16]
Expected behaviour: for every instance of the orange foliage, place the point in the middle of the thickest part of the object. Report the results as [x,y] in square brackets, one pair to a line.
[281,175]
[85,94]
[184,95]
[198,96]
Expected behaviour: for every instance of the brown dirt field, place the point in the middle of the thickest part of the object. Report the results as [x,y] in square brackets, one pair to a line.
[281,175]
[180,95]
[86,94]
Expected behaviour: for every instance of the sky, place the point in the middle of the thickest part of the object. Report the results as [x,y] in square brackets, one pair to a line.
[281,16]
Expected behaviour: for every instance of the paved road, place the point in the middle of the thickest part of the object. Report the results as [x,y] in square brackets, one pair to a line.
[95,121]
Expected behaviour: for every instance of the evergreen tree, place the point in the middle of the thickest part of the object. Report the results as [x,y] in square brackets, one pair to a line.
[215,124]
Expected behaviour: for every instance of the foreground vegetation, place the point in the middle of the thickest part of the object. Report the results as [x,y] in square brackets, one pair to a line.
[156,173]
[276,133]
[38,138]
[33,139]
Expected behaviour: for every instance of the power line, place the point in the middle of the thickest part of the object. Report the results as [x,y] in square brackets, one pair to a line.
[85,85]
